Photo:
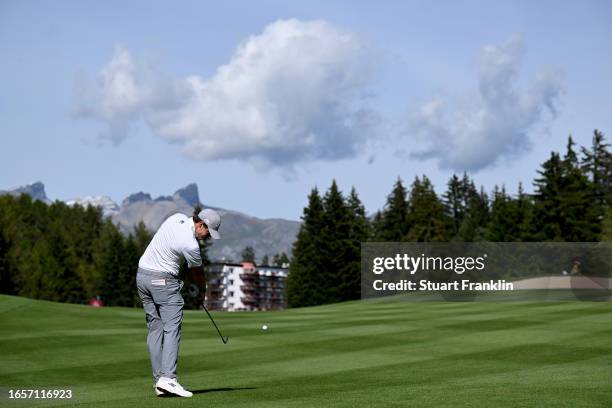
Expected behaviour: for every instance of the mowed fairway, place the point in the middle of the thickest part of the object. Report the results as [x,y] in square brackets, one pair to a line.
[367,354]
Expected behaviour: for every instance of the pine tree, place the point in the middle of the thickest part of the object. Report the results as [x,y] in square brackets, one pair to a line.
[524,215]
[427,219]
[69,247]
[109,262]
[467,192]
[376,224]
[361,228]
[485,212]
[581,210]
[360,231]
[475,209]
[43,279]
[84,234]
[597,164]
[565,209]
[335,248]
[142,237]
[511,218]
[547,200]
[283,260]
[265,261]
[393,223]
[248,254]
[502,225]
[126,292]
[453,203]
[305,274]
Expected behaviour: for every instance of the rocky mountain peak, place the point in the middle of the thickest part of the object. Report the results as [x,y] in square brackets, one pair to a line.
[136,197]
[35,190]
[189,194]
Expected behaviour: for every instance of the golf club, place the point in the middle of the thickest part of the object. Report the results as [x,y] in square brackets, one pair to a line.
[223,339]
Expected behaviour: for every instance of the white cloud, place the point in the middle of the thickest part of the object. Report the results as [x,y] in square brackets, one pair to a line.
[497,121]
[290,94]
[294,93]
[124,90]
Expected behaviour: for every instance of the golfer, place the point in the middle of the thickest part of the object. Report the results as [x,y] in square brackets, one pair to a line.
[159,287]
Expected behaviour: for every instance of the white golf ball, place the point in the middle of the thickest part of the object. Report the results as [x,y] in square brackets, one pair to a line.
[264,327]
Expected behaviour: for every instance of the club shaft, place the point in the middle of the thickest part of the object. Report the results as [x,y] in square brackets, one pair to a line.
[223,339]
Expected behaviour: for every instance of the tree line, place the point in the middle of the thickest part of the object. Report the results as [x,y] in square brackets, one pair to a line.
[68,254]
[278,260]
[571,202]
[71,253]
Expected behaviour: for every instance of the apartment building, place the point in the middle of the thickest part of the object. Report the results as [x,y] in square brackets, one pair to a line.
[245,286]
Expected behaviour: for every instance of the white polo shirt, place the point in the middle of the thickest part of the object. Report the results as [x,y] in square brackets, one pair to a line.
[173,243]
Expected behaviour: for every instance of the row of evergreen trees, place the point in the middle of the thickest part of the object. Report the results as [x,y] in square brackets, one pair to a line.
[68,254]
[571,202]
[71,254]
[326,255]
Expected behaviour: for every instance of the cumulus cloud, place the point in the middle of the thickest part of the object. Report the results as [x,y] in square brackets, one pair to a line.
[123,91]
[495,123]
[294,93]
[290,94]
[114,98]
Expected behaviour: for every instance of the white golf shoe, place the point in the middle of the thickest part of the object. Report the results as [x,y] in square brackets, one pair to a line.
[158,392]
[171,386]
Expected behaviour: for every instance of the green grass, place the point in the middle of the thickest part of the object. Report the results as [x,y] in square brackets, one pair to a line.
[367,354]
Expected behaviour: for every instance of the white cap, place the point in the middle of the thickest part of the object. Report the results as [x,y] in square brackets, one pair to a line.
[212,220]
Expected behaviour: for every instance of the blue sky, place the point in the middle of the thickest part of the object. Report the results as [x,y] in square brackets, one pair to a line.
[258,102]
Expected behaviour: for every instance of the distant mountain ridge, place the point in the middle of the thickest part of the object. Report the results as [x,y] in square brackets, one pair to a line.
[238,230]
[109,207]
[35,190]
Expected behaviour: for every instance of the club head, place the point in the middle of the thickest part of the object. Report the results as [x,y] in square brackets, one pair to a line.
[225,339]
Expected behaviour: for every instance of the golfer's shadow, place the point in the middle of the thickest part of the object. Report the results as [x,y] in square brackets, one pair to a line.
[207,390]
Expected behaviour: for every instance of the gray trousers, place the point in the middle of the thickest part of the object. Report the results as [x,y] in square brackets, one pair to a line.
[161,298]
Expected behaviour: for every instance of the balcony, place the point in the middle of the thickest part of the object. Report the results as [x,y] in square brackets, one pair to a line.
[249,300]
